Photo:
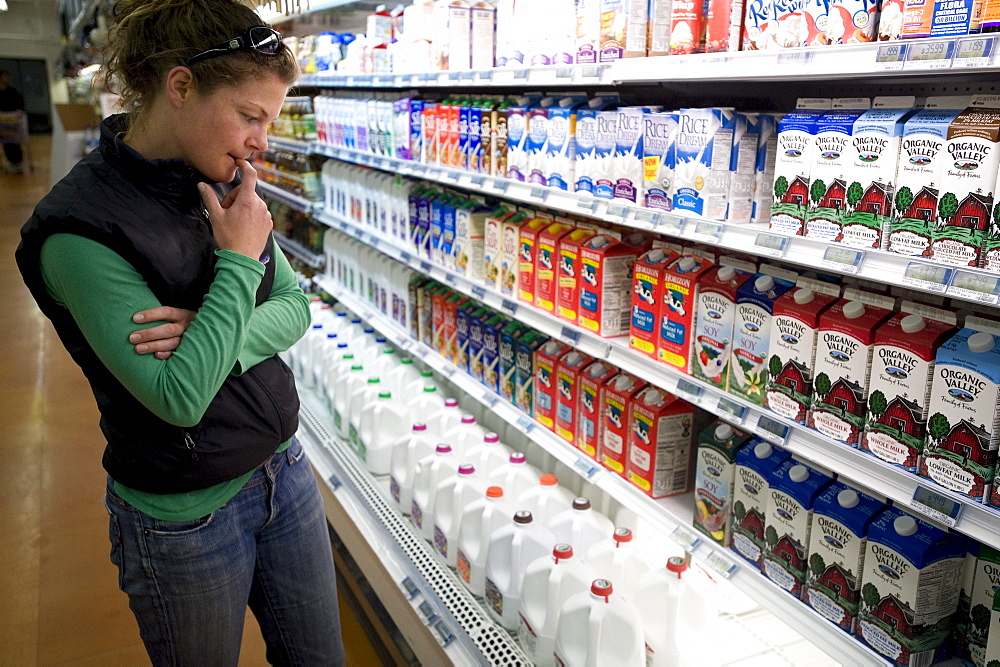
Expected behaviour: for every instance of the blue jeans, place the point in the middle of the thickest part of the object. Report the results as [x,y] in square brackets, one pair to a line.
[189,582]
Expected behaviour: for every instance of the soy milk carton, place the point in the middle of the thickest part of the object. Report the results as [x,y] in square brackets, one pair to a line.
[748,365]
[616,404]
[713,328]
[604,168]
[592,380]
[837,544]
[546,360]
[524,377]
[844,347]
[714,477]
[704,148]
[792,164]
[912,580]
[677,312]
[961,449]
[661,438]
[606,282]
[659,159]
[649,277]
[794,488]
[754,464]
[900,383]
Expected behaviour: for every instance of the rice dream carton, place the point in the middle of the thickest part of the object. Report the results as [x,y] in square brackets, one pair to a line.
[704,148]
[588,412]
[567,388]
[546,360]
[585,178]
[714,476]
[616,401]
[661,437]
[794,488]
[524,377]
[755,462]
[538,138]
[680,299]
[649,277]
[560,148]
[844,347]
[628,174]
[603,169]
[748,365]
[961,449]
[713,327]
[793,160]
[912,576]
[767,147]
[659,158]
[900,383]
[606,282]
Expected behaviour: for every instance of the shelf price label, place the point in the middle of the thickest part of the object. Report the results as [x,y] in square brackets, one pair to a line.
[467,76]
[937,506]
[975,51]
[730,407]
[686,537]
[478,180]
[617,211]
[590,71]
[586,203]
[500,184]
[540,194]
[448,371]
[845,260]
[509,306]
[479,292]
[929,55]
[587,467]
[722,563]
[975,287]
[404,257]
[520,75]
[774,245]
[646,215]
[443,633]
[890,57]
[564,73]
[425,267]
[427,612]
[485,75]
[410,588]
[672,224]
[490,398]
[771,429]
[926,277]
[570,336]
[525,423]
[798,59]
[709,232]
[451,279]
[453,176]
[690,388]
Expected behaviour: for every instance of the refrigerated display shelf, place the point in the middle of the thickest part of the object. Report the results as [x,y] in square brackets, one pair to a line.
[290,199]
[284,143]
[297,250]
[918,494]
[672,516]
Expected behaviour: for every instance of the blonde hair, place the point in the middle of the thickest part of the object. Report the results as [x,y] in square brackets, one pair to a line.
[151,37]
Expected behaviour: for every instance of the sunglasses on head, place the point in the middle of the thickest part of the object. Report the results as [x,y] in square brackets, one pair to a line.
[258,38]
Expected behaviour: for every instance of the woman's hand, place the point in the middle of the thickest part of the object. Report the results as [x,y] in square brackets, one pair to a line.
[162,339]
[241,222]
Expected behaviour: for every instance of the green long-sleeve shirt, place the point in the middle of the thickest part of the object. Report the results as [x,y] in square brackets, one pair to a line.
[229,335]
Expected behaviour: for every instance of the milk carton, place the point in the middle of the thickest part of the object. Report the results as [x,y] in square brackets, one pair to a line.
[491,352]
[517,137]
[844,348]
[510,242]
[961,449]
[560,150]
[546,360]
[616,403]
[755,462]
[974,612]
[874,157]
[677,313]
[497,131]
[767,146]
[704,149]
[524,378]
[793,161]
[569,273]
[506,364]
[584,169]
[714,477]
[592,380]
[993,644]
[912,575]
[713,334]
[660,12]
[623,29]
[628,175]
[851,21]
[475,351]
[742,169]
[470,232]
[567,386]
[492,245]
[968,180]
[649,277]
[792,347]
[588,31]
[900,383]
[547,255]
[838,540]
[463,327]
[794,489]
[605,282]
[659,159]
[538,138]
[748,365]
[528,256]
[661,441]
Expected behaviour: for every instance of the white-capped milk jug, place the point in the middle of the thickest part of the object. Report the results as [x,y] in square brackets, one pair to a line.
[599,628]
[382,429]
[455,494]
[480,521]
[431,472]
[546,499]
[400,377]
[581,526]
[511,550]
[620,560]
[403,464]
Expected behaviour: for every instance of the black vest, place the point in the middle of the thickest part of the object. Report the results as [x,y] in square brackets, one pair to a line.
[150,213]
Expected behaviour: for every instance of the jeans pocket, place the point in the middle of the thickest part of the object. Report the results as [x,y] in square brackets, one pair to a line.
[163,528]
[295,452]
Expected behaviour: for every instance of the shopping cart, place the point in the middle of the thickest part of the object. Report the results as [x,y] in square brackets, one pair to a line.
[14,130]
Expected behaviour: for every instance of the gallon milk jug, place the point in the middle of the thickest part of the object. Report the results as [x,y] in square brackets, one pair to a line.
[403,465]
[444,418]
[454,495]
[548,583]
[599,628]
[337,366]
[385,362]
[545,499]
[480,521]
[619,560]
[366,397]
[400,377]
[515,476]
[384,427]
[351,385]
[511,550]
[489,454]
[581,526]
[417,385]
[678,615]
[465,436]
[325,349]
[423,402]
[430,474]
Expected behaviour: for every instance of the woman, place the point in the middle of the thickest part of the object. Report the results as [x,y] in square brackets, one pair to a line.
[154,261]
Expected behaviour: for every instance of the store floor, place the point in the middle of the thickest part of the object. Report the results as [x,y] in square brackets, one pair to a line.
[59,599]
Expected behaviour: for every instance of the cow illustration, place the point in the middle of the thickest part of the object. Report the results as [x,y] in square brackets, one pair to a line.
[675,301]
[614,416]
[566,389]
[641,431]
[525,252]
[645,292]
[589,275]
[567,267]
[544,379]
[545,259]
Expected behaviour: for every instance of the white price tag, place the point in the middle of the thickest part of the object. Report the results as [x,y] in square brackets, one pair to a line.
[714,60]
[722,563]
[646,215]
[410,588]
[844,260]
[929,55]
[926,277]
[586,203]
[448,371]
[771,429]
[564,73]
[773,245]
[730,407]
[590,71]
[975,287]
[671,224]
[404,257]
[490,398]
[617,211]
[443,633]
[539,193]
[500,184]
[710,232]
[689,388]
[478,180]
[937,506]
[451,279]
[587,467]
[425,267]
[453,176]
[975,51]
[520,74]
[798,60]
[479,292]
[509,306]
[686,537]
[570,336]
[525,423]
[485,75]
[467,76]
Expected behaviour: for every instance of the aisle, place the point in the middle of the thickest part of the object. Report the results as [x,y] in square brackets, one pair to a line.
[60,602]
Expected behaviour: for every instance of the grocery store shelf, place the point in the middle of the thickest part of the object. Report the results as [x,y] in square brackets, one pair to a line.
[554,76]
[974,519]
[671,516]
[298,251]
[267,12]
[295,201]
[283,143]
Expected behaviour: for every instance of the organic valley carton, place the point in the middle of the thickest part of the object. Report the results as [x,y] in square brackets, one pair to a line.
[507,362]
[605,282]
[659,159]
[680,299]
[993,643]
[528,257]
[524,377]
[984,587]
[616,401]
[546,271]
[567,387]
[588,412]
[961,449]
[661,441]
[649,277]
[844,347]
[912,575]
[793,160]
[714,476]
[794,488]
[546,360]
[837,543]
[792,347]
[704,148]
[713,327]
[748,365]
[755,462]
[569,273]
[900,383]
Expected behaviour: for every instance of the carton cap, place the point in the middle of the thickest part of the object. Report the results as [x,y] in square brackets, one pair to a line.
[726,273]
[443,448]
[562,552]
[905,526]
[406,361]
[373,380]
[677,564]
[853,310]
[451,402]
[468,418]
[573,357]
[601,588]
[912,324]
[343,345]
[981,342]
[494,492]
[429,389]
[466,469]
[723,432]
[329,336]
[804,296]
[848,498]
[317,326]
[518,458]
[656,255]
[420,426]
[798,473]
[523,516]
[385,394]
[357,367]
[491,438]
[763,450]
[622,382]
[621,536]
[581,504]
[763,284]
[426,374]
[687,263]
[548,479]
[599,242]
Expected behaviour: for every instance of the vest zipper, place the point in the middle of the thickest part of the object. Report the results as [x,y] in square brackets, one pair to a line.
[189,443]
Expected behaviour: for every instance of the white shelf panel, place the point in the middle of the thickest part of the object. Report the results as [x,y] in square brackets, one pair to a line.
[553,76]
[283,143]
[667,515]
[297,250]
[285,197]
[976,520]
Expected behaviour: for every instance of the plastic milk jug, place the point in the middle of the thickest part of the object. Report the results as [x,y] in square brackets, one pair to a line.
[359,401]
[619,560]
[548,583]
[599,628]
[444,418]
[515,476]
[382,427]
[511,550]
[581,526]
[546,499]
[403,464]
[490,454]
[480,521]
[426,401]
[336,374]
[660,600]
[354,380]
[466,435]
[425,380]
[431,472]
[454,495]
[402,376]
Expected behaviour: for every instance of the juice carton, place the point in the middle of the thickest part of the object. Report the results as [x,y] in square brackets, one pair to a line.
[649,277]
[659,159]
[961,449]
[687,27]
[451,305]
[767,147]
[528,257]
[912,575]
[546,360]
[983,587]
[463,326]
[852,21]
[605,282]
[570,267]
[538,137]
[510,242]
[793,348]
[547,274]
[524,378]
[623,29]
[507,363]
[793,160]
[491,352]
[704,148]
[713,334]
[968,180]
[560,149]
[470,233]
[714,477]
[604,168]
[680,299]
[748,364]
[845,344]
[918,178]
[794,490]
[900,385]
[567,389]
[742,169]
[837,545]
[477,320]
[661,443]
[592,380]
[755,462]
[616,401]
[723,26]
[493,243]
[874,157]
[628,172]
